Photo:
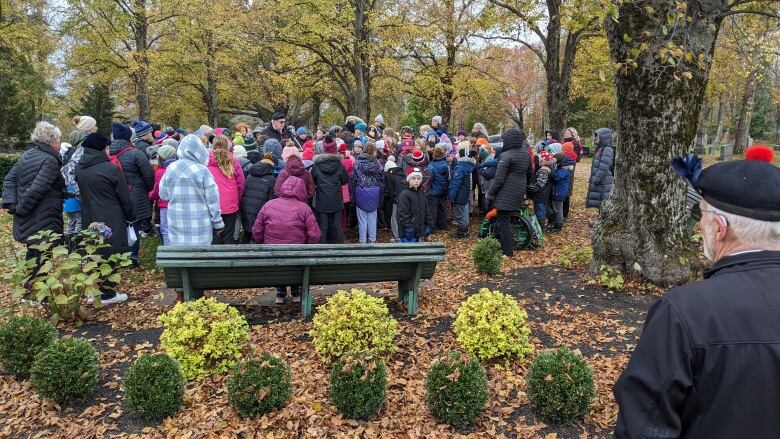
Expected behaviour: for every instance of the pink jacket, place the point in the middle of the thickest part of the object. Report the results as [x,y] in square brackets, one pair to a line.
[294,167]
[349,163]
[288,219]
[231,189]
[154,195]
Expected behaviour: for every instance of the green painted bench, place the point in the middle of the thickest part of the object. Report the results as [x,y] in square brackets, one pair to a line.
[195,269]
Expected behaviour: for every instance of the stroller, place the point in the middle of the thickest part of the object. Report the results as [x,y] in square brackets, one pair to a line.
[524,226]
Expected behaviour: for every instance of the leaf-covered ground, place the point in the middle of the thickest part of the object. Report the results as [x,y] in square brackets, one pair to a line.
[564,308]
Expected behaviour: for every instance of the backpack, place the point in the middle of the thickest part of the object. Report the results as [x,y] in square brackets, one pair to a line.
[114,159]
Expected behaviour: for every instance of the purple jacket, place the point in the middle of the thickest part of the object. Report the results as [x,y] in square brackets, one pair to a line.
[367,182]
[288,219]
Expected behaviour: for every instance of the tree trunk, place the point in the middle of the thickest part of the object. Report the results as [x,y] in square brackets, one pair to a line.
[742,131]
[141,29]
[210,97]
[721,119]
[644,219]
[701,130]
[558,71]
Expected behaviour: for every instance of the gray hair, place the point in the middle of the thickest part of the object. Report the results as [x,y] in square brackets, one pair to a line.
[748,231]
[481,127]
[47,133]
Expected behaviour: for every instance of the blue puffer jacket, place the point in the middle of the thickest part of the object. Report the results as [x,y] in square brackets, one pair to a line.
[440,177]
[461,180]
[561,178]
[488,169]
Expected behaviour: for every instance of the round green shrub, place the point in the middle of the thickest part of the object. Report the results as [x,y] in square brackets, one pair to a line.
[206,337]
[358,385]
[66,370]
[560,386]
[353,322]
[487,256]
[259,385]
[154,386]
[21,338]
[490,324]
[457,389]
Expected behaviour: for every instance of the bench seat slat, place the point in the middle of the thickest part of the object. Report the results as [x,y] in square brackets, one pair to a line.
[378,260]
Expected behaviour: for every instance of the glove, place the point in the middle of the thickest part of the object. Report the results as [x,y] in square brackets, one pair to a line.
[409,235]
[488,204]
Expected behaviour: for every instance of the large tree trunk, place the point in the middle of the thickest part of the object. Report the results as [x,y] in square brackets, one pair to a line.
[644,220]
[558,69]
[742,131]
[701,130]
[141,56]
[210,97]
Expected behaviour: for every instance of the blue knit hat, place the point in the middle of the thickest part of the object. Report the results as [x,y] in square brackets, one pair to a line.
[142,128]
[120,131]
[362,127]
[300,131]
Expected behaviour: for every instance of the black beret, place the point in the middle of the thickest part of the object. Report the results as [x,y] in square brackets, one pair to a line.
[278,115]
[96,141]
[743,187]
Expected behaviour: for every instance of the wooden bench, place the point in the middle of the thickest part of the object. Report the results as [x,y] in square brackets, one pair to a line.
[195,269]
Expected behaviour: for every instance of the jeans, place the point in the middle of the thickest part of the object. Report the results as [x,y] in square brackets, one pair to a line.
[394,222]
[504,232]
[330,228]
[557,207]
[461,214]
[540,210]
[439,212]
[73,224]
[164,225]
[410,235]
[281,291]
[366,225]
[227,234]
[237,228]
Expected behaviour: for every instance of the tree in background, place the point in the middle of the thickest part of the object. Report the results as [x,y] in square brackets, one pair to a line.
[98,103]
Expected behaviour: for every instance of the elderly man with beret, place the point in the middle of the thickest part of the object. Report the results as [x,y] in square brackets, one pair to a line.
[708,361]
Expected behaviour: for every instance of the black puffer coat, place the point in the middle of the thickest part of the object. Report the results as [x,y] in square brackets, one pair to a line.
[258,190]
[601,178]
[329,176]
[139,175]
[33,192]
[395,183]
[513,174]
[413,212]
[105,197]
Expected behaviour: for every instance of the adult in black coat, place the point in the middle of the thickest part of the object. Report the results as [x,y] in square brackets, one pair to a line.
[34,188]
[507,191]
[706,365]
[276,129]
[139,175]
[105,198]
[601,171]
[258,190]
[329,176]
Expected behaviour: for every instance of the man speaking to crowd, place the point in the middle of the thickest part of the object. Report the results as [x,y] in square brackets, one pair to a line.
[708,361]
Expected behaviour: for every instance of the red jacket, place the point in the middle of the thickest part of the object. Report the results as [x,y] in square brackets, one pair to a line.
[288,219]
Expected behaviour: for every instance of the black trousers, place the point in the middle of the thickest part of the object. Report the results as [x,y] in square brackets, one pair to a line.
[330,228]
[504,231]
[439,210]
[566,207]
[230,228]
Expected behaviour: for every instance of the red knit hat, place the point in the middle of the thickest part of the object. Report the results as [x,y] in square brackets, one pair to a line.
[329,147]
[413,172]
[417,155]
[760,153]
[308,152]
[545,157]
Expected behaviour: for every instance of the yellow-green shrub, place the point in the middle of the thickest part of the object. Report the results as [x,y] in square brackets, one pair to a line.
[206,337]
[490,324]
[353,321]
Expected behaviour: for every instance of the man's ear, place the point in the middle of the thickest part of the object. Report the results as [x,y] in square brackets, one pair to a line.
[723,228]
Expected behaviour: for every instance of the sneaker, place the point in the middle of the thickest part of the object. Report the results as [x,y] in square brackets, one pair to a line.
[296,299]
[118,298]
[280,299]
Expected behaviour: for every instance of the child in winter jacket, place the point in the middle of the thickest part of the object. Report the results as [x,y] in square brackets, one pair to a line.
[541,187]
[395,184]
[414,216]
[259,190]
[440,177]
[293,166]
[460,192]
[287,220]
[229,177]
[561,180]
[192,194]
[367,184]
[165,156]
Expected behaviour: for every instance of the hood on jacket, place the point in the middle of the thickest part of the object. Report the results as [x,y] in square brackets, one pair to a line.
[328,163]
[92,157]
[294,187]
[274,147]
[605,137]
[294,166]
[254,156]
[397,171]
[554,134]
[467,160]
[261,168]
[513,138]
[117,145]
[191,148]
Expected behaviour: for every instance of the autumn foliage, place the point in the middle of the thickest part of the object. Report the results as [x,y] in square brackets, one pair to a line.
[457,389]
[259,385]
[490,324]
[560,386]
